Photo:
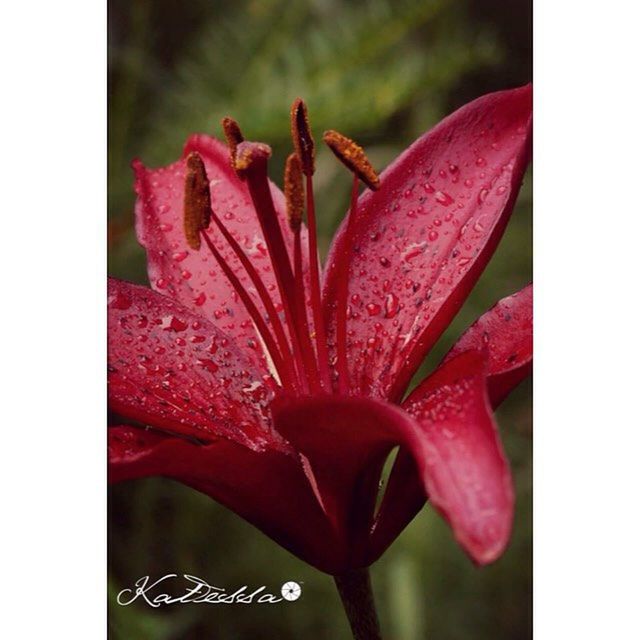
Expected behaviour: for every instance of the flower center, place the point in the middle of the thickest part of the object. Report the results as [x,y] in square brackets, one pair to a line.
[299,357]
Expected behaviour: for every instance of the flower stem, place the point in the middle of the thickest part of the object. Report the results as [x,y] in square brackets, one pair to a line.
[355,591]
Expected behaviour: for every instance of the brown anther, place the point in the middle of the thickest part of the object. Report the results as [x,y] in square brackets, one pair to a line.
[294,191]
[233,135]
[197,200]
[353,157]
[302,138]
[249,152]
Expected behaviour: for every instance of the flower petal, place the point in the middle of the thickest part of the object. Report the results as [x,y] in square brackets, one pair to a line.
[421,241]
[346,441]
[194,277]
[505,332]
[174,370]
[268,489]
[449,430]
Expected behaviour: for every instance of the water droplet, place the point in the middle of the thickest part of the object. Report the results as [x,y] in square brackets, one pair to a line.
[384,262]
[480,161]
[179,256]
[171,323]
[480,223]
[119,301]
[209,365]
[200,299]
[373,309]
[433,235]
[391,305]
[443,198]
[413,250]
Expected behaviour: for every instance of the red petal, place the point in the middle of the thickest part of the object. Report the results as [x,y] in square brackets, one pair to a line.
[466,474]
[449,431]
[268,489]
[346,440]
[505,332]
[172,369]
[194,277]
[422,240]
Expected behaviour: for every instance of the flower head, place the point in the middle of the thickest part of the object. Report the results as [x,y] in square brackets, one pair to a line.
[280,391]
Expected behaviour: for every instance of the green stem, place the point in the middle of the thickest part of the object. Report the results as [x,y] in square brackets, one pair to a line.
[355,591]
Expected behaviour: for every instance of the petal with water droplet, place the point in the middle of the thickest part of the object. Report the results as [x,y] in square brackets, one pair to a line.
[446,426]
[505,333]
[488,143]
[193,277]
[163,373]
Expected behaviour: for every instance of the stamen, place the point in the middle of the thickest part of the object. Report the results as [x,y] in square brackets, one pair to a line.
[261,288]
[305,148]
[353,157]
[302,138]
[293,192]
[251,160]
[251,308]
[234,136]
[197,216]
[197,200]
[294,196]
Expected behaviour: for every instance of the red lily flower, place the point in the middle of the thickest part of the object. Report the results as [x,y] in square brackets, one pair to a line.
[280,393]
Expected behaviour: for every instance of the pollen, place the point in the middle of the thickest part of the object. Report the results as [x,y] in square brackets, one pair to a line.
[293,191]
[302,138]
[233,135]
[197,200]
[352,155]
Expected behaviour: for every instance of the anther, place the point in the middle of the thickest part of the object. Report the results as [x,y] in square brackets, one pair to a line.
[293,192]
[197,200]
[302,138]
[353,157]
[233,135]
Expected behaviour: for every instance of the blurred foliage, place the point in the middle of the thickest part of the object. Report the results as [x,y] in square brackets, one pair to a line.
[382,71]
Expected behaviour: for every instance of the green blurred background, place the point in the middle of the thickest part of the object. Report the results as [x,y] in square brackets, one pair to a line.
[382,72]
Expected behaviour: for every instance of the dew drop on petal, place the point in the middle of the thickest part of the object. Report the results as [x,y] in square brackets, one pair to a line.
[391,306]
[373,309]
